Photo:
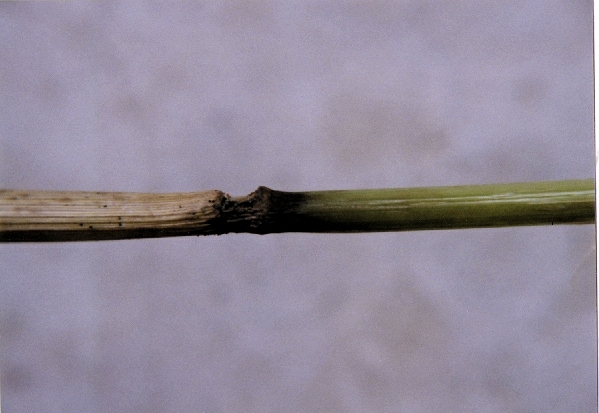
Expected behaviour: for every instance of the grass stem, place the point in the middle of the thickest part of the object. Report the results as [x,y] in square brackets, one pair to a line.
[30,216]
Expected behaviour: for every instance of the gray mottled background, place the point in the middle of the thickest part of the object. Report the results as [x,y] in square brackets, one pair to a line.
[185,96]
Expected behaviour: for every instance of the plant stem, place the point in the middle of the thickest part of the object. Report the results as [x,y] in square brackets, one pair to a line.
[76,216]
[29,216]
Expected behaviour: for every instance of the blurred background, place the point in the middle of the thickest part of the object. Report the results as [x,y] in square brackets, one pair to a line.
[306,95]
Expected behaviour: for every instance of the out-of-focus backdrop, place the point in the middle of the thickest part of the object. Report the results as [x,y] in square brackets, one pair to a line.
[306,95]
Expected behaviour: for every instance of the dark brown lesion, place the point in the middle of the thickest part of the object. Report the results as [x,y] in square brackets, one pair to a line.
[263,211]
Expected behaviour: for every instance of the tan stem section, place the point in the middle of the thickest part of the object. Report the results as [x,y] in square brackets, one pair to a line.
[76,216]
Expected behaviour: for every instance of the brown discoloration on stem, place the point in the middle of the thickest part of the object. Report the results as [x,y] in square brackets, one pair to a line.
[264,211]
[29,216]
[45,216]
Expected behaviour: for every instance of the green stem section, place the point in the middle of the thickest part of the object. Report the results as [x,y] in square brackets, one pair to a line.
[43,216]
[503,205]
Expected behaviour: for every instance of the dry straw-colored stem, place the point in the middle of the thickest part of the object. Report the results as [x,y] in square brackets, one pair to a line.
[30,216]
